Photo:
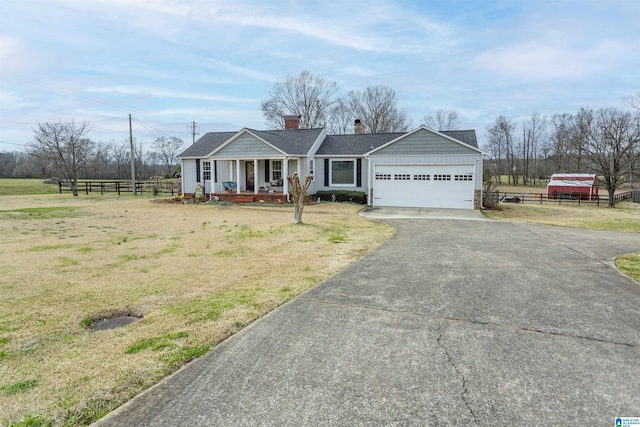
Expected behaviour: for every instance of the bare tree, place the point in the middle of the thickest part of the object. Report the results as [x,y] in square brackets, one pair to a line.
[298,193]
[561,145]
[442,120]
[532,135]
[167,149]
[501,138]
[306,94]
[340,120]
[633,101]
[377,107]
[64,148]
[120,152]
[612,144]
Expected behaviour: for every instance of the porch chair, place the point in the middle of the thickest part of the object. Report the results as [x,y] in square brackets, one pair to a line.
[229,186]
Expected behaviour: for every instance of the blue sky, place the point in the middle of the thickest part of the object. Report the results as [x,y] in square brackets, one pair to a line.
[172,62]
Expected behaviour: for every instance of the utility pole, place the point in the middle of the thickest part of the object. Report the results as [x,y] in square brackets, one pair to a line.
[193,131]
[133,160]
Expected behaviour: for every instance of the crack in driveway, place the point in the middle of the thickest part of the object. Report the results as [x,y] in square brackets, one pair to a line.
[475,322]
[463,395]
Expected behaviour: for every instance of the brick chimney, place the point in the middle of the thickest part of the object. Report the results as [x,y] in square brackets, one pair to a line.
[359,127]
[292,121]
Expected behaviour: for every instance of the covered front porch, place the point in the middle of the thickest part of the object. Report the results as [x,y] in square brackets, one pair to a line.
[242,176]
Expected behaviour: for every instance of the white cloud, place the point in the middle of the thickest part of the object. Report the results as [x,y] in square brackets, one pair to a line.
[166,93]
[17,58]
[536,60]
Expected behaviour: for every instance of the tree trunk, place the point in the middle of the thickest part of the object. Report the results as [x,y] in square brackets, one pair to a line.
[298,194]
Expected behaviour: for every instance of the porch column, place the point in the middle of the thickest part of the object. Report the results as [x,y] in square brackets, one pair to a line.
[255,174]
[298,162]
[238,176]
[285,174]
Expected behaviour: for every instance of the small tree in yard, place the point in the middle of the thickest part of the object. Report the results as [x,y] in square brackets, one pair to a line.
[490,189]
[611,143]
[62,146]
[298,192]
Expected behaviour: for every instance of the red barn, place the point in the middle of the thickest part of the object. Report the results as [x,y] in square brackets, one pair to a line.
[582,186]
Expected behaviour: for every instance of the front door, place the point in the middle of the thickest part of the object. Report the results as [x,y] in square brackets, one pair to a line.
[249,172]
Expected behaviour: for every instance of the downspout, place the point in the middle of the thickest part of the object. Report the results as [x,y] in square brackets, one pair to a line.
[285,182]
[369,171]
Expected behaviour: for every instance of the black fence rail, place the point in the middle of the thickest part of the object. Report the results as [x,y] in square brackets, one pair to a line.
[493,198]
[145,186]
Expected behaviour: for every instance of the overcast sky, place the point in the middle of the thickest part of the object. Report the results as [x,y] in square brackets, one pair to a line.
[172,62]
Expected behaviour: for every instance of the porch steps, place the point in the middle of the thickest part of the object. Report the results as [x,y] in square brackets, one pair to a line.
[242,198]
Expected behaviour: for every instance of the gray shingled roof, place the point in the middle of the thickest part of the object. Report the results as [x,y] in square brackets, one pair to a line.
[355,144]
[466,136]
[290,141]
[299,141]
[206,144]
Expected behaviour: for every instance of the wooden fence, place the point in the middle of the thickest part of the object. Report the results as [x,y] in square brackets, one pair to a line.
[492,199]
[146,186]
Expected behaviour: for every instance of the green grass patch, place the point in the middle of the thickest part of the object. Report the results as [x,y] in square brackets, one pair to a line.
[143,344]
[42,212]
[19,387]
[166,251]
[19,187]
[629,264]
[67,262]
[211,308]
[156,343]
[41,248]
[85,249]
[31,420]
[183,355]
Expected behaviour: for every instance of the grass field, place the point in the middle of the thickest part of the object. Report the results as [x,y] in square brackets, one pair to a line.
[195,273]
[13,187]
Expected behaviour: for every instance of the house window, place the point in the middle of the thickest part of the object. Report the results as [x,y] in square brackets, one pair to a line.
[311,168]
[441,177]
[276,170]
[343,172]
[206,171]
[402,177]
[465,177]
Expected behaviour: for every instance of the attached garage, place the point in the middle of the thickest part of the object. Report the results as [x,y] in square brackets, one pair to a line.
[424,186]
[427,169]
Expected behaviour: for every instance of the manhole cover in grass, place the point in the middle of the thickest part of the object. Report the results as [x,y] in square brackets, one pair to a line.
[111,319]
[116,322]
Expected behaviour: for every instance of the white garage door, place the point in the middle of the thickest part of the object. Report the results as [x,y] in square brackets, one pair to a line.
[424,186]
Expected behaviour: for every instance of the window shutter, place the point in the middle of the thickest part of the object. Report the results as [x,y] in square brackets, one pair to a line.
[215,171]
[326,172]
[197,170]
[267,173]
[359,173]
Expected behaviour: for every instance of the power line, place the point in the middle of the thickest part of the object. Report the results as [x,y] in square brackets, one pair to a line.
[13,143]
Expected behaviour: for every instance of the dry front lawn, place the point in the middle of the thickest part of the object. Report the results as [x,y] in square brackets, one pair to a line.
[196,274]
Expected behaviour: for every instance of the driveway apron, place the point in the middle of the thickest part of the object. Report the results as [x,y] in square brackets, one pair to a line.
[450,322]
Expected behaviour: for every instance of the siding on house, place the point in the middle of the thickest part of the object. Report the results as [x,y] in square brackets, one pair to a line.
[247,146]
[322,175]
[424,142]
[188,176]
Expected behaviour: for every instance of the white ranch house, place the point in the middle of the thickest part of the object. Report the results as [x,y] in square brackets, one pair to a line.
[420,168]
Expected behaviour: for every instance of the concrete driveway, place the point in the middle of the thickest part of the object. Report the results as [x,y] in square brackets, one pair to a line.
[451,322]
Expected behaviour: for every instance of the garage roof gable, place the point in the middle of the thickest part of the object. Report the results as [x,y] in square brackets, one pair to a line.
[424,141]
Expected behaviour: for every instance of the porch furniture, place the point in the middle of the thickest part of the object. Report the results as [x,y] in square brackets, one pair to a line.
[229,186]
[267,187]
